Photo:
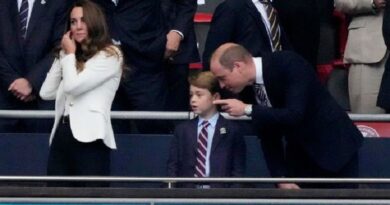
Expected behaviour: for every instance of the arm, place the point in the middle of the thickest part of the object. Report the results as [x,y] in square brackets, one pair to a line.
[239,155]
[173,159]
[97,70]
[50,85]
[185,12]
[221,31]
[7,73]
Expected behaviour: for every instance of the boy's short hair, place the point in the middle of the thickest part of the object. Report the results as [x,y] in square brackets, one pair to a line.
[205,80]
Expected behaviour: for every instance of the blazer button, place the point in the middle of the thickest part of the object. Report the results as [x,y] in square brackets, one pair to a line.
[71,104]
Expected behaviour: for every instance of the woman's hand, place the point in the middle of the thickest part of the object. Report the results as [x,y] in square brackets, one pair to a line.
[68,44]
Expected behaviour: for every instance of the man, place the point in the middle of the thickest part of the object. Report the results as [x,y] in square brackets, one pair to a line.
[384,92]
[181,50]
[138,27]
[290,103]
[30,29]
[245,22]
[300,20]
[365,51]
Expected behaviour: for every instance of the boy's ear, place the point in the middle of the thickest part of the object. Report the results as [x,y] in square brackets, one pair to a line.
[216,96]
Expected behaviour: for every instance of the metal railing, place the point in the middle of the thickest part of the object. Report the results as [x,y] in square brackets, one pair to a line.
[148,115]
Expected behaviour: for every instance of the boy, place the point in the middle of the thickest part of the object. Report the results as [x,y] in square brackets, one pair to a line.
[209,145]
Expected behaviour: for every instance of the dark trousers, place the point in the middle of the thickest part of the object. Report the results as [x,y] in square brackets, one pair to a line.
[301,165]
[69,157]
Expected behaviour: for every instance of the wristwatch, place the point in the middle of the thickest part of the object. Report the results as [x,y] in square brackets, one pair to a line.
[248,110]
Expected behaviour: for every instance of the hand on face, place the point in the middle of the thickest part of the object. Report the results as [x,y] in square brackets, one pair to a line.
[68,44]
[233,107]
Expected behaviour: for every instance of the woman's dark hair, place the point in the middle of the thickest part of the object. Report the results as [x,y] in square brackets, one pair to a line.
[98,35]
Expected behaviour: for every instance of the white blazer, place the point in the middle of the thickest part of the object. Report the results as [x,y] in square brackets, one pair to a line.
[90,94]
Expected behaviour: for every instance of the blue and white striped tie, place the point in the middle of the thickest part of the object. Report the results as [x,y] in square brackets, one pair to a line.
[23,15]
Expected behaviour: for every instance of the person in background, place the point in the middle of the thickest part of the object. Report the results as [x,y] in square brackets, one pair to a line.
[365,52]
[384,92]
[253,24]
[303,131]
[30,30]
[300,20]
[83,80]
[209,145]
[181,50]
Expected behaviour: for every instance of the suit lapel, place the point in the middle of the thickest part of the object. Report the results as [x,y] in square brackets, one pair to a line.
[259,21]
[36,13]
[217,133]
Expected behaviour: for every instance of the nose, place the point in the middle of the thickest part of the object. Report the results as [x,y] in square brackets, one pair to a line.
[78,25]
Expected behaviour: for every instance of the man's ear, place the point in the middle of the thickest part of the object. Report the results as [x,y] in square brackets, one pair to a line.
[239,65]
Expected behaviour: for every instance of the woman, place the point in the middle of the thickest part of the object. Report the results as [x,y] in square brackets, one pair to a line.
[83,80]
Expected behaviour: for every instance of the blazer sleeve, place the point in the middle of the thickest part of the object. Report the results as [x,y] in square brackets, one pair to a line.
[185,15]
[239,154]
[222,28]
[53,79]
[97,70]
[7,73]
[37,72]
[173,159]
[354,7]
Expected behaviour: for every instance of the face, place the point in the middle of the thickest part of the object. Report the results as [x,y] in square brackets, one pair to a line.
[78,27]
[201,101]
[232,80]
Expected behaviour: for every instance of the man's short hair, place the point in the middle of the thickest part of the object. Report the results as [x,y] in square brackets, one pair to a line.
[232,54]
[205,80]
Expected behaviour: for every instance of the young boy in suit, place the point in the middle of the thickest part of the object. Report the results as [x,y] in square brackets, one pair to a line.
[209,145]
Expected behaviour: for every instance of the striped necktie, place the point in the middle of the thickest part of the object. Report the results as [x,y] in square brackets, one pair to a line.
[261,96]
[200,167]
[23,15]
[274,24]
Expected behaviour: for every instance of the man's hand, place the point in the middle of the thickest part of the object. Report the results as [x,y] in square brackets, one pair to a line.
[288,186]
[21,88]
[68,44]
[173,43]
[379,4]
[233,107]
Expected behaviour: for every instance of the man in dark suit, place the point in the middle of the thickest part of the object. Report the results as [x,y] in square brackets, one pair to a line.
[29,31]
[244,22]
[290,106]
[300,20]
[138,26]
[141,30]
[384,91]
[209,145]
[181,50]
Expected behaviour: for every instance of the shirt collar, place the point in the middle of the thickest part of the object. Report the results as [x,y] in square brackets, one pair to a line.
[213,120]
[259,70]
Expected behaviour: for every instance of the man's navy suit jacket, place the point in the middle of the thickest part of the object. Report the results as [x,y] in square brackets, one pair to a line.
[32,58]
[240,22]
[227,157]
[140,27]
[179,15]
[304,113]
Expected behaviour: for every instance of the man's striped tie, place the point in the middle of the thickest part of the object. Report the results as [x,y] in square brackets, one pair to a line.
[23,15]
[274,24]
[200,167]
